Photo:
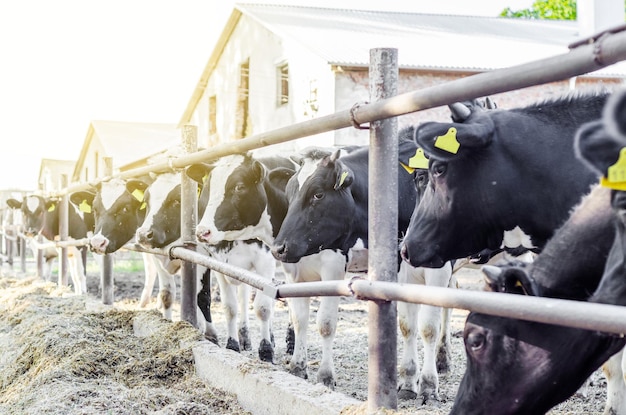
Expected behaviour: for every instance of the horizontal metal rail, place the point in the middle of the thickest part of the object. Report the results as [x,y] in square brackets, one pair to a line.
[580,60]
[55,244]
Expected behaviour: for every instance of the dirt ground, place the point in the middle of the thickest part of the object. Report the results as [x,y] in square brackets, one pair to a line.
[101,367]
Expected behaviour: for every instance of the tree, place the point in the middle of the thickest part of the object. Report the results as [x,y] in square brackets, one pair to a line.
[545,9]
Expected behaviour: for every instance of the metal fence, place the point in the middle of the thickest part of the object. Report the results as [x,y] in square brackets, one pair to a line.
[592,54]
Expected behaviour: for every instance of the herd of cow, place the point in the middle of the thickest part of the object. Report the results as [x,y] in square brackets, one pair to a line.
[547,178]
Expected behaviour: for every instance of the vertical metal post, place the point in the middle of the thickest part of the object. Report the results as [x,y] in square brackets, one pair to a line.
[106,273]
[63,233]
[383,234]
[188,220]
[22,248]
[40,259]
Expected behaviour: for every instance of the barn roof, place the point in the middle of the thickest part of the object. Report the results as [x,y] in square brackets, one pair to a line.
[435,42]
[128,142]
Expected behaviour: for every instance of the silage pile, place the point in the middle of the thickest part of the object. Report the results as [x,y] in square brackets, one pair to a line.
[58,358]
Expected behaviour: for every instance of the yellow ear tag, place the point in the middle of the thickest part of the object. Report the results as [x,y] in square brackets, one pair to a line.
[409,170]
[51,208]
[206,176]
[84,207]
[343,178]
[616,173]
[419,160]
[138,194]
[143,206]
[448,142]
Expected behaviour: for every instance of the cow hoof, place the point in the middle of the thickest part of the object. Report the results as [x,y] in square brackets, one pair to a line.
[233,344]
[212,338]
[290,340]
[298,370]
[326,380]
[266,351]
[427,395]
[244,339]
[406,394]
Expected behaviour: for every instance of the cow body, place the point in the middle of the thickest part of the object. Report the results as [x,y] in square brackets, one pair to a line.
[520,367]
[330,211]
[248,200]
[510,181]
[41,217]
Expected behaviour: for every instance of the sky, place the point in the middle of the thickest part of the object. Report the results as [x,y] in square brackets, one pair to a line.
[64,63]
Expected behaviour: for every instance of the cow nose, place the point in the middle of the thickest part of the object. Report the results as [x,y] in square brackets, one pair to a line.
[404,253]
[98,244]
[279,252]
[144,236]
[203,234]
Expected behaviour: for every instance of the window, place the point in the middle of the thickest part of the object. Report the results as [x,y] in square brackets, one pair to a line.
[242,100]
[212,115]
[282,74]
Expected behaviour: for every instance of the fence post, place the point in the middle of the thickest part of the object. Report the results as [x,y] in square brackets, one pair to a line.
[383,234]
[63,233]
[21,243]
[40,259]
[188,219]
[106,273]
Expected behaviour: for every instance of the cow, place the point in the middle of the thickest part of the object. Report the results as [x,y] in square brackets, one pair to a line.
[40,216]
[248,200]
[501,178]
[120,208]
[520,367]
[330,211]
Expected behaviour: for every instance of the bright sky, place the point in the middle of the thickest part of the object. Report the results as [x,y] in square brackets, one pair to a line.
[68,62]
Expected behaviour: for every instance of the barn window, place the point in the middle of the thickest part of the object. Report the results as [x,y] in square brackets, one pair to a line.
[243,100]
[282,75]
[212,115]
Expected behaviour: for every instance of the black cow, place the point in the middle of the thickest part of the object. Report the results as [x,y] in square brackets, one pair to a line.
[520,367]
[330,211]
[40,216]
[501,178]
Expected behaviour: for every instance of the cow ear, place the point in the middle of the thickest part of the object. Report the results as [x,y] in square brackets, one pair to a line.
[279,176]
[258,171]
[444,141]
[199,172]
[597,148]
[136,188]
[511,280]
[615,115]
[343,176]
[14,203]
[84,200]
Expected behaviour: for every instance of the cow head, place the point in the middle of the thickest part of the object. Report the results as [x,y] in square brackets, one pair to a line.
[118,209]
[321,209]
[493,173]
[37,211]
[236,190]
[161,225]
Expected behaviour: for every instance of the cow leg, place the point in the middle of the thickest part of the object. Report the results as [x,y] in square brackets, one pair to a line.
[299,309]
[205,322]
[264,309]
[616,388]
[243,303]
[150,270]
[77,271]
[229,304]
[444,346]
[407,373]
[167,291]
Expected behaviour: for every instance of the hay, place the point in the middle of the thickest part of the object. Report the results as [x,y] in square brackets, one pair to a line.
[57,358]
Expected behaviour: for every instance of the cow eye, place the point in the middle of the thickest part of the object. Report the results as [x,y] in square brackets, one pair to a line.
[438,169]
[318,196]
[475,341]
[239,187]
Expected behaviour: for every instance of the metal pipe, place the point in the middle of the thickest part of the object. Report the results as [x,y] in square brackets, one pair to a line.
[383,234]
[188,220]
[106,273]
[63,234]
[579,314]
[580,60]
[314,289]
[237,273]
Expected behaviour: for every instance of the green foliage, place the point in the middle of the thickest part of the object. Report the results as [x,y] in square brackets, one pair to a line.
[545,9]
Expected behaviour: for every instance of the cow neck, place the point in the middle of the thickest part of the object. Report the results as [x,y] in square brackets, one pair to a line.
[50,226]
[572,263]
[612,289]
[277,205]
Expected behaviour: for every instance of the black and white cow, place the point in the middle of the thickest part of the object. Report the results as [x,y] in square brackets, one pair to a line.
[520,367]
[248,200]
[40,216]
[501,178]
[330,211]
[119,208]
